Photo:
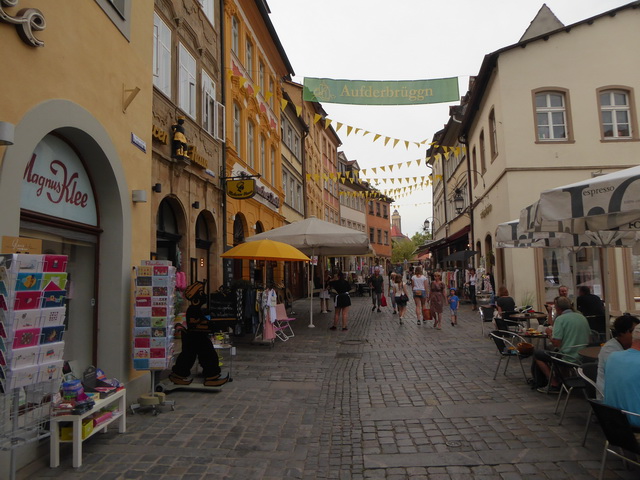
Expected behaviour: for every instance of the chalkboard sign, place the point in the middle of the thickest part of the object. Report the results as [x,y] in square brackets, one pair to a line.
[223,306]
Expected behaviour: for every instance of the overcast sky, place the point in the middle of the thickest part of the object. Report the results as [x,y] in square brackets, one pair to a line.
[404,40]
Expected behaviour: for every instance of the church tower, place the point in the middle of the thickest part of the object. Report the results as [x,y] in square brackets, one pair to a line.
[396,221]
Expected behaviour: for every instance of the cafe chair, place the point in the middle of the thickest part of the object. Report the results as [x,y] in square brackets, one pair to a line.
[283,321]
[589,372]
[486,315]
[507,344]
[620,439]
[505,324]
[566,373]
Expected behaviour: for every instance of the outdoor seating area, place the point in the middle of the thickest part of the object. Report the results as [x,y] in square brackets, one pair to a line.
[576,380]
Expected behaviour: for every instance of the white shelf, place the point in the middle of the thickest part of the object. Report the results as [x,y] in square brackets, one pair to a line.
[76,420]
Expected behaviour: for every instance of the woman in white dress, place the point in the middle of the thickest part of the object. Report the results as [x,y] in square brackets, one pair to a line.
[419,285]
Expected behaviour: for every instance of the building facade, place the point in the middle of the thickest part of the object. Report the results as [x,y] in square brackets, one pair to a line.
[186,196]
[255,65]
[84,135]
[535,121]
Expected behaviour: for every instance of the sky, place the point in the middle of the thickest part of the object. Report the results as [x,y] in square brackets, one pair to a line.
[404,40]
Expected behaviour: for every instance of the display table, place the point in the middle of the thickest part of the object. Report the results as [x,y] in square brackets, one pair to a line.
[76,420]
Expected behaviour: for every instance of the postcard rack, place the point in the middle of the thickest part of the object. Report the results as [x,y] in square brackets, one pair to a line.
[32,313]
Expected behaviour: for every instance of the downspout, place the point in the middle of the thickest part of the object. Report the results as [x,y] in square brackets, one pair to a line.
[223,166]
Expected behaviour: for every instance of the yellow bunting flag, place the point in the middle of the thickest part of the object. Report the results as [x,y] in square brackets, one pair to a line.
[327,122]
[349,128]
[364,172]
[268,96]
[383,168]
[386,140]
[366,132]
[242,81]
[395,142]
[418,162]
[298,110]
[316,118]
[375,170]
[406,144]
[283,104]
[338,126]
[358,130]
[377,136]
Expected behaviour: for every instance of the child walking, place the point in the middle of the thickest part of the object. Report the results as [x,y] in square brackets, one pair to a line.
[453,306]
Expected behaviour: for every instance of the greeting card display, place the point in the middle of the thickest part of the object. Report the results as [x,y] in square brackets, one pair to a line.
[153,310]
[32,313]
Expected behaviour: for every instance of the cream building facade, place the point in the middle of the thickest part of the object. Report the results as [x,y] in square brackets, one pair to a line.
[539,116]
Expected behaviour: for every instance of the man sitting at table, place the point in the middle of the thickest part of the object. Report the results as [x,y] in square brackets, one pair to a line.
[622,338]
[570,333]
[622,388]
[591,307]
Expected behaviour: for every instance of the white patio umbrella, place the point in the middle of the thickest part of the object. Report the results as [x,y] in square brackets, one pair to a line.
[317,237]
[606,209]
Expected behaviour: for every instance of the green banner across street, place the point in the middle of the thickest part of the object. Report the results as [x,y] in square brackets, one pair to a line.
[400,92]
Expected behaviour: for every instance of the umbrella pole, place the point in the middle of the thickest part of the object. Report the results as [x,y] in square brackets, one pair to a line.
[311,325]
[607,304]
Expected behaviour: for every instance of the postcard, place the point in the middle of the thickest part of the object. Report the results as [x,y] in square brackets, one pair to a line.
[24,357]
[142,342]
[52,334]
[50,352]
[52,317]
[28,281]
[58,279]
[27,337]
[27,300]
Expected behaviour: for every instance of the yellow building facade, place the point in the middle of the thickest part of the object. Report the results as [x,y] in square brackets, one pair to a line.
[255,63]
[83,129]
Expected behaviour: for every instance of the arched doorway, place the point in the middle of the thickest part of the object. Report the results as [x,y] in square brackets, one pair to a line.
[167,234]
[201,265]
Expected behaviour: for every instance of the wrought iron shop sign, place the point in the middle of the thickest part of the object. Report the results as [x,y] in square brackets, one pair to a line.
[241,189]
[26,22]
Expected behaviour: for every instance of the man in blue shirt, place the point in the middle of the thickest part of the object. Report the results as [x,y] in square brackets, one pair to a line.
[622,373]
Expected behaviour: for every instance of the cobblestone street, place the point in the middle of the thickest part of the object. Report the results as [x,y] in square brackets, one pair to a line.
[379,401]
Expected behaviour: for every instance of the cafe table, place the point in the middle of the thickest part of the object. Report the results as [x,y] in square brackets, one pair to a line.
[532,335]
[527,317]
[591,352]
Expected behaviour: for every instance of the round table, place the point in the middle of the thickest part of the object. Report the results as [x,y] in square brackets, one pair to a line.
[590,352]
[527,317]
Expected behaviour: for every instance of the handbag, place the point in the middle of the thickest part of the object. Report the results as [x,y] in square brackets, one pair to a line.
[417,293]
[383,301]
[404,297]
[426,314]
[525,348]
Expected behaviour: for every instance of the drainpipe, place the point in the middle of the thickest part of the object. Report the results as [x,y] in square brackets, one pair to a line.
[223,166]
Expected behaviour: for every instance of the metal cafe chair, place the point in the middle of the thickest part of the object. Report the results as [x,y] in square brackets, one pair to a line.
[566,372]
[589,372]
[620,438]
[486,315]
[507,344]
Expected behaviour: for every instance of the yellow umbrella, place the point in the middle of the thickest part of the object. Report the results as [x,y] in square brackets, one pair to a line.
[266,250]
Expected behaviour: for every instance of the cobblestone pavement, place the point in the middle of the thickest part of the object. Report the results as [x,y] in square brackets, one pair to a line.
[379,401]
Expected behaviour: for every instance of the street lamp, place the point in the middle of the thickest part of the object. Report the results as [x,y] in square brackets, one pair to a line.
[458,200]
[427,226]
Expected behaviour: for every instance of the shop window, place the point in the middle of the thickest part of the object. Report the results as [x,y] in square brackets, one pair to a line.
[552,116]
[235,36]
[161,55]
[187,82]
[615,114]
[208,7]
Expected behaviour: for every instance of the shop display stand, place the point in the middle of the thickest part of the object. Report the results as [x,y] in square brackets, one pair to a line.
[32,296]
[153,327]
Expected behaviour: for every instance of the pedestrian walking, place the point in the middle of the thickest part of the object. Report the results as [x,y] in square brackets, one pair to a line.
[391,292]
[454,301]
[342,302]
[401,296]
[419,288]
[376,283]
[437,300]
[471,282]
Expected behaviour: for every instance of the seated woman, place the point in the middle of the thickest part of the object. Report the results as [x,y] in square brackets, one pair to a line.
[504,302]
